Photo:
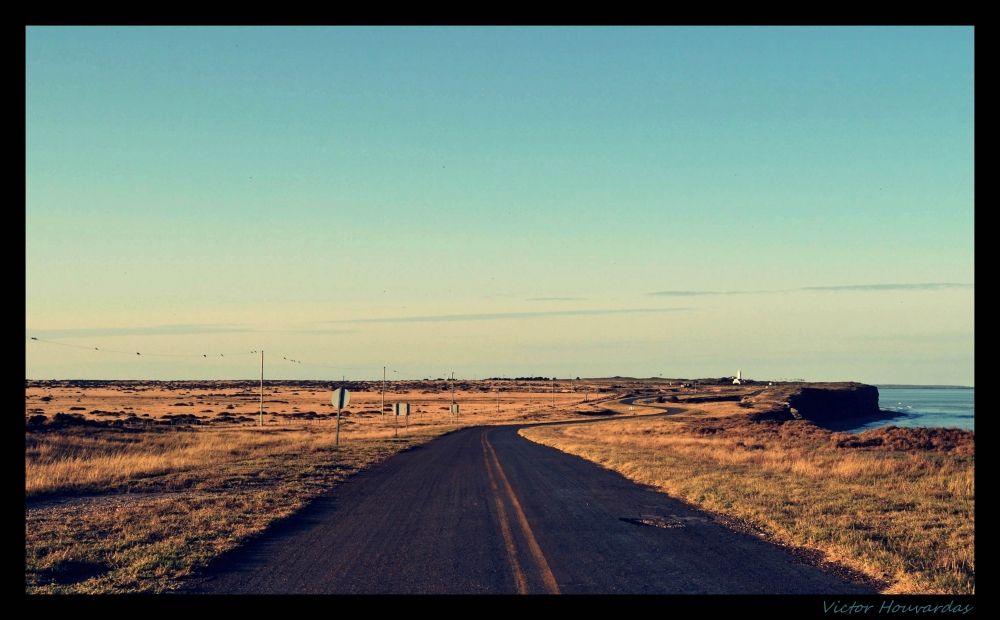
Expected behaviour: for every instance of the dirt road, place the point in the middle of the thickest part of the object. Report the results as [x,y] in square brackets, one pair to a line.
[483,510]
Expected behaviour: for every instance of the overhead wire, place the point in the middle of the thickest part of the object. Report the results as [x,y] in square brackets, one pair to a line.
[295,361]
[77,346]
[202,355]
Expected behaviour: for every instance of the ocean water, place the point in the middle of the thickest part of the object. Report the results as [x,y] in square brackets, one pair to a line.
[926,407]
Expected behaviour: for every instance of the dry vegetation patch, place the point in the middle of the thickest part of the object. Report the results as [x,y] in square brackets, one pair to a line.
[895,504]
[114,510]
[894,439]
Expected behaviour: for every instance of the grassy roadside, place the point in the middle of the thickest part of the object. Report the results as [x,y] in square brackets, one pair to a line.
[136,486]
[895,505]
[138,511]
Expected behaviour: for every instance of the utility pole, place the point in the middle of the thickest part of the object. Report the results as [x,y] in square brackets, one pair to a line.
[452,393]
[553,392]
[260,422]
[498,398]
[383,393]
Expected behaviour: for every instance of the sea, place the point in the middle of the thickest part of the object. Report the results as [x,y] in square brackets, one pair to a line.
[947,407]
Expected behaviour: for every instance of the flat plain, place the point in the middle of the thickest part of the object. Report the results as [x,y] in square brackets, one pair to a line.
[143,486]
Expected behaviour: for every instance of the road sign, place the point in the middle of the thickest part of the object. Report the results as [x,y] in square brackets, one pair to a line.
[341,397]
[454,409]
[401,409]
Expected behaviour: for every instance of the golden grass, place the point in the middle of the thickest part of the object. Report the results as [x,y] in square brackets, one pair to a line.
[286,405]
[82,460]
[143,546]
[905,518]
[158,505]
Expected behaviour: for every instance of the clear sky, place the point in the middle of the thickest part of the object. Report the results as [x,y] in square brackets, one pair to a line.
[501,201]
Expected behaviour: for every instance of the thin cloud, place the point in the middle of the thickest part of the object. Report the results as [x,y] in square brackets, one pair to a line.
[155,330]
[499,316]
[696,293]
[318,332]
[557,299]
[929,286]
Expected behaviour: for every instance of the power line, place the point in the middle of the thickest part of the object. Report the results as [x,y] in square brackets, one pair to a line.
[139,353]
[290,360]
[196,356]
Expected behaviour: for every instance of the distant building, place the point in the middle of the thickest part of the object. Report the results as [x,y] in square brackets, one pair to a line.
[739,377]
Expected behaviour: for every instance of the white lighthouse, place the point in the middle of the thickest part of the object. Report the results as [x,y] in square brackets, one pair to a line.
[739,377]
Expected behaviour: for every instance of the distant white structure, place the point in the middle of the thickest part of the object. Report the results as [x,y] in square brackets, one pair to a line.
[739,377]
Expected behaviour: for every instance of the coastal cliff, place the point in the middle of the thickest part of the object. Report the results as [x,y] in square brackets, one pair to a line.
[816,402]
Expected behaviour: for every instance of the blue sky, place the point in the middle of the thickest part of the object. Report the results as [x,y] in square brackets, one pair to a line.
[499,201]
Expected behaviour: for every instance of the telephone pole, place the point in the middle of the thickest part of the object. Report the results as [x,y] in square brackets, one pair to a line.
[553,392]
[260,422]
[453,393]
[383,393]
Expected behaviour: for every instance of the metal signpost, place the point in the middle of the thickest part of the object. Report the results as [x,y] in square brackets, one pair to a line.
[401,409]
[340,399]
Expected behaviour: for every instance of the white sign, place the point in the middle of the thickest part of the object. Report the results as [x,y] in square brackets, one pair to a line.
[454,408]
[340,398]
[401,408]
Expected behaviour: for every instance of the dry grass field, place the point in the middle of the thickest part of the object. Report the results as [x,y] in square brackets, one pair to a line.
[131,487]
[896,504]
[135,486]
